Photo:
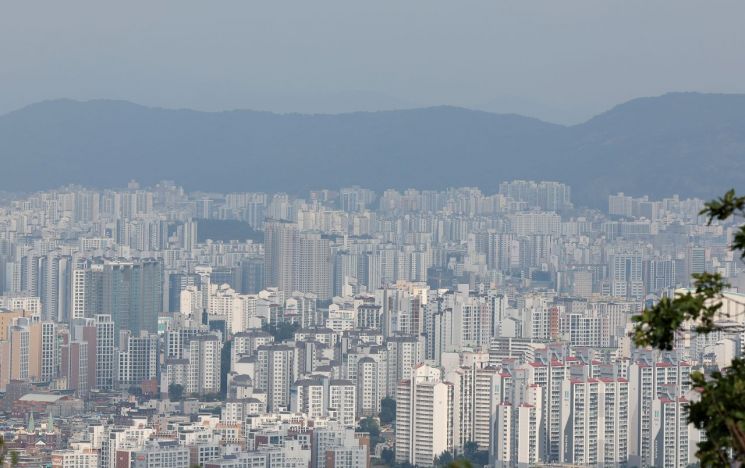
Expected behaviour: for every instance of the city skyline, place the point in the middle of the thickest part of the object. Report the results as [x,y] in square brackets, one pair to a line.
[396,326]
[383,234]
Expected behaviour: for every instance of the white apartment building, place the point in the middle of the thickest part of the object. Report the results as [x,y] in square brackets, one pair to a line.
[424,407]
[370,384]
[343,401]
[276,371]
[80,455]
[161,454]
[670,433]
[477,393]
[649,381]
[204,364]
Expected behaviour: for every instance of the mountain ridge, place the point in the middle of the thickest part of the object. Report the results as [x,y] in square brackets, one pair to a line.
[687,143]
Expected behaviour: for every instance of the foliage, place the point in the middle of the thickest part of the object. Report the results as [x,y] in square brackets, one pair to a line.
[14,458]
[2,450]
[460,463]
[175,392]
[371,426]
[444,459]
[387,456]
[281,331]
[225,354]
[472,454]
[470,457]
[724,208]
[720,410]
[470,448]
[211,397]
[387,410]
[658,326]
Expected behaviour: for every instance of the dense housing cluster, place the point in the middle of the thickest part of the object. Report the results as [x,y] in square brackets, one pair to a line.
[154,327]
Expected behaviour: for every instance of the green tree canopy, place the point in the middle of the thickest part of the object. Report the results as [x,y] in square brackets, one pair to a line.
[281,331]
[2,451]
[470,457]
[388,456]
[371,426]
[460,463]
[387,410]
[444,459]
[175,392]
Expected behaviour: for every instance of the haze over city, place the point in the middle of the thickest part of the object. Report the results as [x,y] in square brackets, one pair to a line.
[563,62]
[387,234]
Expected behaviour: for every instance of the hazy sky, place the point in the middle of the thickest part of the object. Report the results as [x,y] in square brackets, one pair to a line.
[562,60]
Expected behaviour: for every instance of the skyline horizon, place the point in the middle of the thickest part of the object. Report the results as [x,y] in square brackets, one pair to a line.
[364,111]
[418,234]
[336,190]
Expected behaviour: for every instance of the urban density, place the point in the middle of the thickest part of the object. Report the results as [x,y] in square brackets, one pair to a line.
[154,327]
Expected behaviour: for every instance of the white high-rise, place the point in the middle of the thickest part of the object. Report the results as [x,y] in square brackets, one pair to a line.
[312,266]
[424,406]
[669,430]
[404,354]
[104,352]
[204,364]
[581,436]
[370,384]
[276,371]
[236,309]
[648,381]
[80,295]
[280,242]
[476,396]
[517,438]
[613,421]
[342,401]
[550,376]
[191,303]
[626,275]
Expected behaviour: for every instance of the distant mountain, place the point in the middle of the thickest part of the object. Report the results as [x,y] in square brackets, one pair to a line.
[532,108]
[686,143]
